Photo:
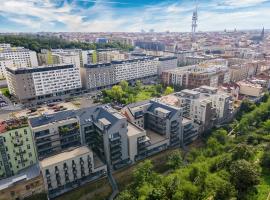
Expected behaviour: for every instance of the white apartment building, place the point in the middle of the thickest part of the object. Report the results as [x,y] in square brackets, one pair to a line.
[43,82]
[3,64]
[205,105]
[20,56]
[135,68]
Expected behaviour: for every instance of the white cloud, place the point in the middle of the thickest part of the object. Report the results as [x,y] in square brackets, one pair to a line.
[41,15]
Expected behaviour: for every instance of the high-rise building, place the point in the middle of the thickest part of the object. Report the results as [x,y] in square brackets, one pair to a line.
[31,85]
[20,56]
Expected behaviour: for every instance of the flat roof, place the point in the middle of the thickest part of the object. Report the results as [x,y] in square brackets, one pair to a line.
[66,155]
[133,130]
[159,109]
[38,69]
[155,137]
[191,92]
[186,121]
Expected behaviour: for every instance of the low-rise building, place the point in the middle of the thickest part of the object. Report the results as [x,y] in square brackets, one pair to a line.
[25,184]
[70,169]
[250,89]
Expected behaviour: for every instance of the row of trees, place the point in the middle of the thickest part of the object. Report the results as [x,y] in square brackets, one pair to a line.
[227,167]
[36,43]
[124,93]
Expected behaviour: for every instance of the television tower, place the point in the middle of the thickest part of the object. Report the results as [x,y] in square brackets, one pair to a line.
[194,22]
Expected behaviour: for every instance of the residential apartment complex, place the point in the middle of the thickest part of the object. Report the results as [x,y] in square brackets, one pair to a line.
[34,84]
[98,76]
[197,75]
[205,106]
[69,169]
[17,150]
[20,56]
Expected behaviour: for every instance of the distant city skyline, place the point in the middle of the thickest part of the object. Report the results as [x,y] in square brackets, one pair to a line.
[131,16]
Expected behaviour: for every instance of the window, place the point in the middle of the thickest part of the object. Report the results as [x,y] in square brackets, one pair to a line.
[28,146]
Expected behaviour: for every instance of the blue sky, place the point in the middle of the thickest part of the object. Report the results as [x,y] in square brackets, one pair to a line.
[131,15]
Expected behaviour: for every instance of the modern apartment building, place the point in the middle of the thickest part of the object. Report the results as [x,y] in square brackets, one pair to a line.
[17,150]
[97,76]
[166,63]
[70,169]
[104,130]
[3,64]
[162,124]
[20,56]
[197,75]
[55,133]
[134,69]
[31,85]
[205,106]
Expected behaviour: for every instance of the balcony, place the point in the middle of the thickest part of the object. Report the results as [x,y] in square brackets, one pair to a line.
[18,143]
[116,149]
[115,156]
[118,137]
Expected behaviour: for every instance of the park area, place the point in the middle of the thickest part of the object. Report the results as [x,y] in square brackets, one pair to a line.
[123,93]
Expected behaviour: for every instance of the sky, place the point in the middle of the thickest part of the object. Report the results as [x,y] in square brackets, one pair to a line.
[131,15]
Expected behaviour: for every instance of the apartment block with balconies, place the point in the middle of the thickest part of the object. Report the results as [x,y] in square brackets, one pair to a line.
[70,169]
[105,131]
[55,132]
[158,126]
[17,151]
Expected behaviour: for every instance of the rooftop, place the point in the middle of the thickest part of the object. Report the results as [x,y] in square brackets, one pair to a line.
[12,124]
[66,155]
[133,130]
[26,174]
[46,119]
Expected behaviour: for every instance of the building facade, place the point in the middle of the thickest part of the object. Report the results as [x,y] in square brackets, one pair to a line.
[70,169]
[17,150]
[20,56]
[44,82]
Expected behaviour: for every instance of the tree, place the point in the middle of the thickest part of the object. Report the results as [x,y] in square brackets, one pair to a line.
[244,176]
[243,151]
[117,92]
[138,85]
[218,188]
[187,190]
[175,160]
[124,85]
[265,162]
[168,90]
[143,173]
[125,195]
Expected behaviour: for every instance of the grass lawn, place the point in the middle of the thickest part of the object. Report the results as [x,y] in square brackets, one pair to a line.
[5,92]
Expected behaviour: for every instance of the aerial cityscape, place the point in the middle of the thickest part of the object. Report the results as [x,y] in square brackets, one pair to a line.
[135,100]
